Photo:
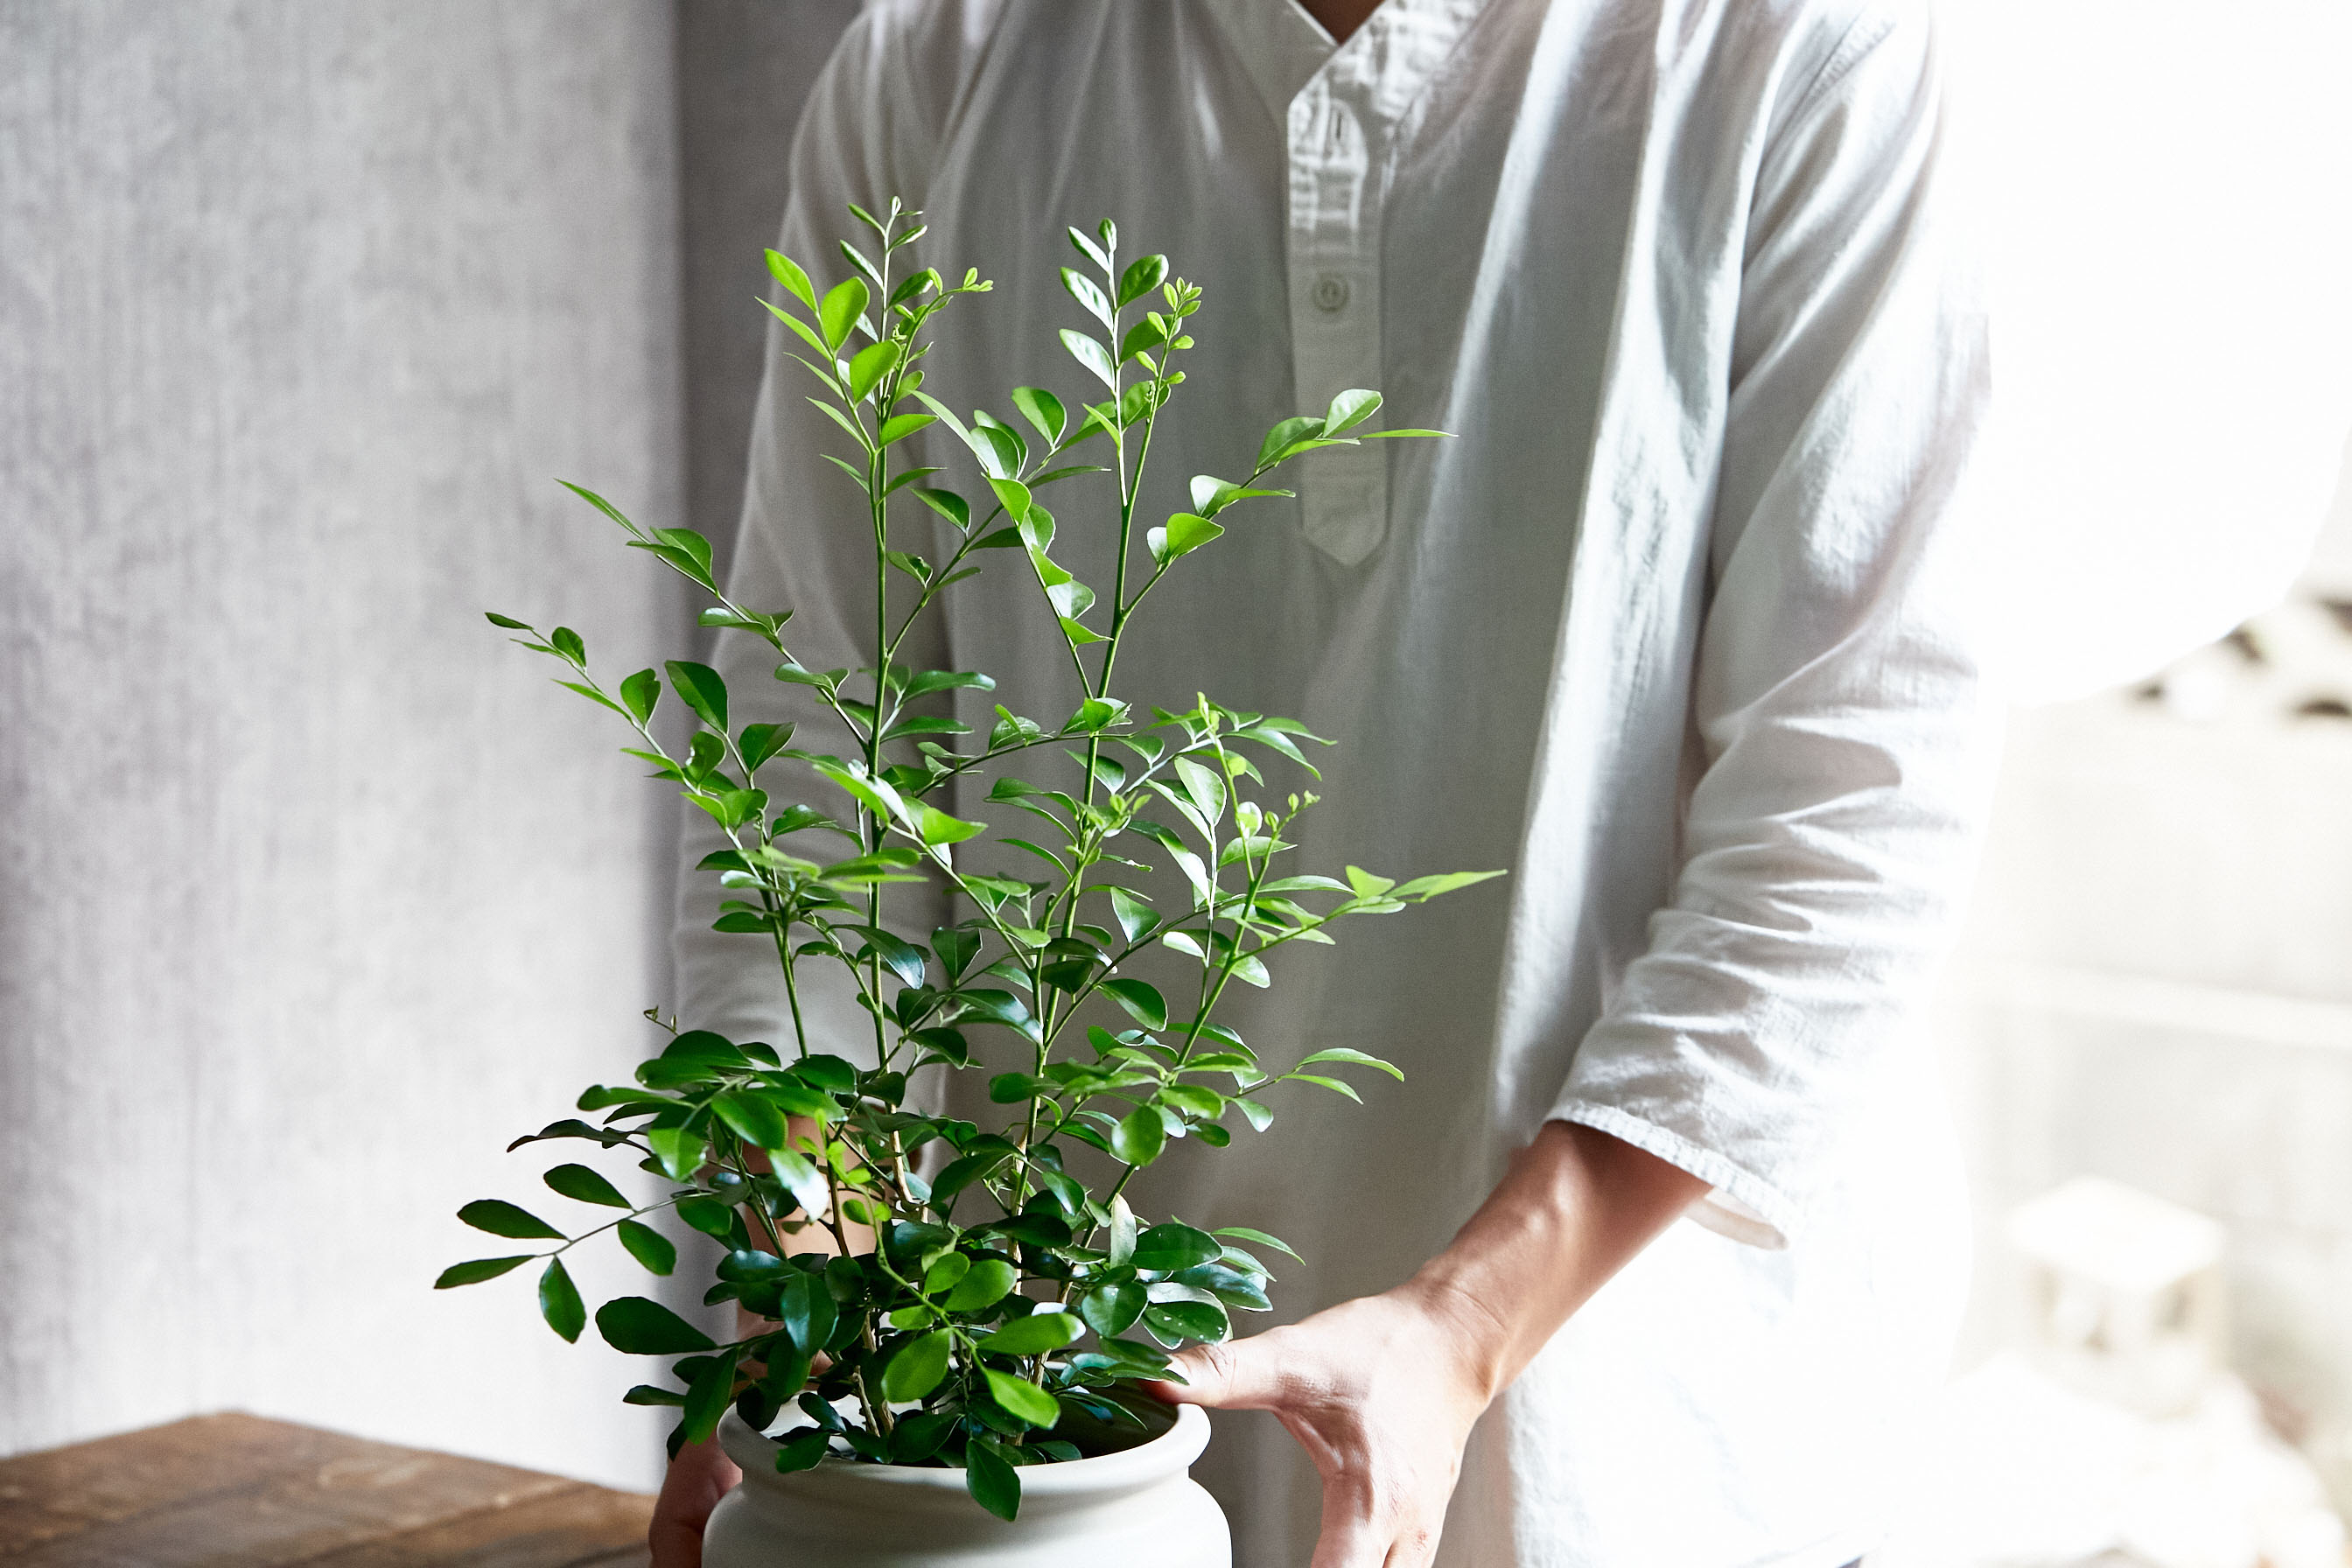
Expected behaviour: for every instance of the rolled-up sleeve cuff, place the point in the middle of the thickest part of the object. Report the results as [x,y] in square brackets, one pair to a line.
[1742,1205]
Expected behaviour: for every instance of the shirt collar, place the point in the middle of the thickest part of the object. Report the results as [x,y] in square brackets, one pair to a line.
[1396,51]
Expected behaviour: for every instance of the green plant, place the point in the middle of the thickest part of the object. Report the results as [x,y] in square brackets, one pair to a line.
[956,1340]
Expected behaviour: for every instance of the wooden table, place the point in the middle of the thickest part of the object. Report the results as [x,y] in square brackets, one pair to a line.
[236,1491]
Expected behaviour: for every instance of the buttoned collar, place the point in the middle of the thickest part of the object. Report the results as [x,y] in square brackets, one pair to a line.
[1394,53]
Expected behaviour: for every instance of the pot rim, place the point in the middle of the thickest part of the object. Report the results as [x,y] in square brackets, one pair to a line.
[1169,1454]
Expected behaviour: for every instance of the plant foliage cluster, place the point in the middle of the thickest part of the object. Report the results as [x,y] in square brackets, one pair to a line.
[996,1312]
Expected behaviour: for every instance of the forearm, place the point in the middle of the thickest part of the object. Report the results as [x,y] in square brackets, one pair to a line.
[1574,1208]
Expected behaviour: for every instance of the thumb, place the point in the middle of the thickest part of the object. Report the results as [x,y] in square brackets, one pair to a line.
[1240,1374]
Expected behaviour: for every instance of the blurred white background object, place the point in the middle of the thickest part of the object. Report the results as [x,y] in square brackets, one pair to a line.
[2167,193]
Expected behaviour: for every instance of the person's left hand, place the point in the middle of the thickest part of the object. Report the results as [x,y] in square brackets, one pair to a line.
[1381,1393]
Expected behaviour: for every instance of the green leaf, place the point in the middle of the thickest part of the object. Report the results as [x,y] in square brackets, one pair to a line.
[988,1474]
[641,691]
[1142,276]
[559,1301]
[1244,1233]
[699,687]
[840,310]
[754,1118]
[678,1152]
[788,272]
[646,1394]
[1034,1334]
[480,1269]
[807,1312]
[649,1247]
[1088,294]
[636,1326]
[502,1218]
[509,621]
[1091,354]
[1141,339]
[1141,999]
[1184,534]
[1285,433]
[1015,495]
[586,1185]
[898,426]
[936,826]
[803,1450]
[947,504]
[708,1216]
[1426,887]
[1349,410]
[1212,495]
[1043,410]
[1401,435]
[1112,1309]
[918,1367]
[1165,1248]
[1334,1085]
[1368,885]
[1135,919]
[1024,1401]
[1122,1232]
[1174,1322]
[708,1395]
[1092,252]
[760,742]
[990,1281]
[945,1273]
[1342,1054]
[1139,1136]
[872,363]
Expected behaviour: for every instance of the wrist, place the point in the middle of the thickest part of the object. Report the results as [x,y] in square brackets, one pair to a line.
[1476,1334]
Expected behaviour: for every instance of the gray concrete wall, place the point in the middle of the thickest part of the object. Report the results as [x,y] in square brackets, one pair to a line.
[312,892]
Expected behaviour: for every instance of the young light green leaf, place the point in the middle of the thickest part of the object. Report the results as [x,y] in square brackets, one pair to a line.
[1185,532]
[1342,1054]
[840,310]
[1142,276]
[559,1301]
[872,363]
[1092,356]
[788,272]
[1244,1233]
[1349,410]
[1043,410]
[1284,434]
[1088,294]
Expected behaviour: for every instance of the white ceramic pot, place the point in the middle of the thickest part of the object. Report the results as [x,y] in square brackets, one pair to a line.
[1138,1508]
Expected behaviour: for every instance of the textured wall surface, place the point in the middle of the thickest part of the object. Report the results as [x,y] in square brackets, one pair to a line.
[744,68]
[312,892]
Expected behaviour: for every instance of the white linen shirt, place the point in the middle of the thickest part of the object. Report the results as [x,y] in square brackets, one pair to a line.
[1677,630]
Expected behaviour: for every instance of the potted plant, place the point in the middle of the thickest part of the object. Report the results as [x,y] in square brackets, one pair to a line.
[949,1319]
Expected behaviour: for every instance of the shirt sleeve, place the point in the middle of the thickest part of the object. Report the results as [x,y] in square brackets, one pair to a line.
[1843,727]
[803,543]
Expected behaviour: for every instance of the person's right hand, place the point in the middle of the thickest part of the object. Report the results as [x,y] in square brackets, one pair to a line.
[697,1479]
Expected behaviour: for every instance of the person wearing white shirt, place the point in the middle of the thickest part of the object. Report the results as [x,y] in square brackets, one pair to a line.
[1680,629]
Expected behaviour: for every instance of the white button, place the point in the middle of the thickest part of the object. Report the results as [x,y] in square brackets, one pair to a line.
[1330,293]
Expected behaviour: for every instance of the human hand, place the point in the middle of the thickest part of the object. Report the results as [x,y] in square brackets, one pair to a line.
[1381,1393]
[697,1479]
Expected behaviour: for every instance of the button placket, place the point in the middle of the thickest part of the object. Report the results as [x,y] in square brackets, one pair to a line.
[1334,263]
